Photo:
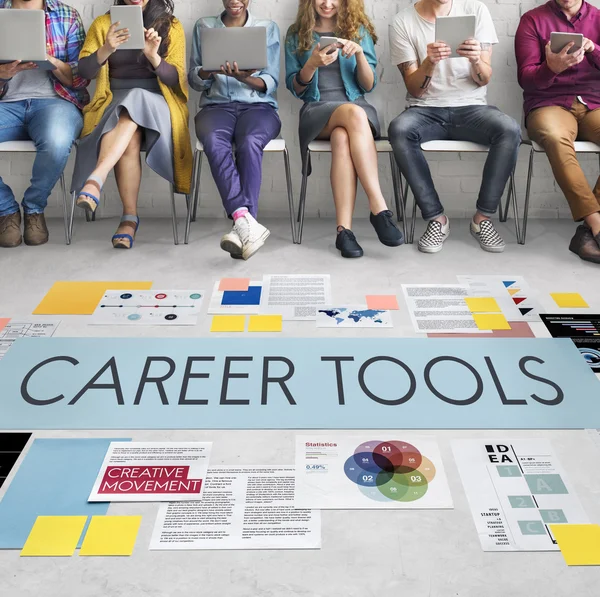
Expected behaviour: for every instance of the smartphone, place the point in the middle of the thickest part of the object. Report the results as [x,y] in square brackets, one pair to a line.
[130,17]
[328,41]
[559,40]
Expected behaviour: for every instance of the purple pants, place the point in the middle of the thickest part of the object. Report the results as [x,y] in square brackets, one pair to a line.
[250,127]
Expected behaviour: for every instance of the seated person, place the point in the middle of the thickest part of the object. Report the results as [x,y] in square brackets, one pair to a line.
[562,101]
[140,101]
[446,99]
[332,82]
[237,107]
[44,107]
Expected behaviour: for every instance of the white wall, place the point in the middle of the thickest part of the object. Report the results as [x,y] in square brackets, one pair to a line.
[457,178]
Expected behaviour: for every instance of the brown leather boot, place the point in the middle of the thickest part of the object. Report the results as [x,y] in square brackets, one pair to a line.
[10,230]
[36,231]
[585,245]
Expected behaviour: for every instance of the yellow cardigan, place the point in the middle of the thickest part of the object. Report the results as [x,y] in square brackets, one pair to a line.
[175,97]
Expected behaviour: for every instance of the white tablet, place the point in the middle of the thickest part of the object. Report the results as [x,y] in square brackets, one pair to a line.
[453,31]
[130,17]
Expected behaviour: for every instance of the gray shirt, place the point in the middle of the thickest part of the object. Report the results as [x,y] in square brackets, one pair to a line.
[30,84]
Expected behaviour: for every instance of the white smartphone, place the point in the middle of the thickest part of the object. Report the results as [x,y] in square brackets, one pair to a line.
[328,41]
[130,17]
[559,40]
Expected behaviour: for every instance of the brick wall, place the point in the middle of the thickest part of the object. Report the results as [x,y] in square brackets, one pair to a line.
[457,177]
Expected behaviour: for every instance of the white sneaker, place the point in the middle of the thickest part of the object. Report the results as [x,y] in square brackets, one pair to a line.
[232,243]
[488,237]
[252,234]
[433,238]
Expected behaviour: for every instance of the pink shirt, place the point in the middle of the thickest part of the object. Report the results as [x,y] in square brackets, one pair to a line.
[541,86]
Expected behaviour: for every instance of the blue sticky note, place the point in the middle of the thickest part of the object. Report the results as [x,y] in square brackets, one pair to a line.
[55,479]
[242,297]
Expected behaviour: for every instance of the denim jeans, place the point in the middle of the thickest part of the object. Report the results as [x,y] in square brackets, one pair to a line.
[480,124]
[53,125]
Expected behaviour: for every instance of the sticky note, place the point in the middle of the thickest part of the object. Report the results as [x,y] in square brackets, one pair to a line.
[387,302]
[491,322]
[579,543]
[568,299]
[265,323]
[228,323]
[54,536]
[234,284]
[483,305]
[3,322]
[111,536]
[81,298]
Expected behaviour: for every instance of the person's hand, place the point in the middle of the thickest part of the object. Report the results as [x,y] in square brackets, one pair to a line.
[470,49]
[438,51]
[349,48]
[235,72]
[320,58]
[588,45]
[8,71]
[115,38]
[152,43]
[562,61]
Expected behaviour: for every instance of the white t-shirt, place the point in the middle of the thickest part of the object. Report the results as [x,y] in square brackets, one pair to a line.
[451,84]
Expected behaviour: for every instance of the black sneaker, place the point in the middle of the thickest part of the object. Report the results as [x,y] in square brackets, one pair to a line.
[346,243]
[386,229]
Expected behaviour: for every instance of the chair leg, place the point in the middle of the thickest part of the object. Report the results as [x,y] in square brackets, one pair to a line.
[174,215]
[397,176]
[302,205]
[527,195]
[513,193]
[65,203]
[188,218]
[290,192]
[503,210]
[196,195]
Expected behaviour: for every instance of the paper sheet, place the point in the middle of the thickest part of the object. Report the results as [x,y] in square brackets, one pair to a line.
[353,472]
[234,284]
[516,489]
[232,302]
[353,317]
[54,536]
[228,323]
[11,446]
[388,302]
[483,304]
[244,507]
[491,321]
[265,323]
[15,329]
[152,472]
[518,329]
[297,296]
[148,307]
[567,300]
[579,543]
[439,308]
[3,322]
[80,298]
[111,536]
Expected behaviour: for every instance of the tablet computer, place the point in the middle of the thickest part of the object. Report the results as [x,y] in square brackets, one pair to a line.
[130,17]
[245,45]
[453,31]
[559,40]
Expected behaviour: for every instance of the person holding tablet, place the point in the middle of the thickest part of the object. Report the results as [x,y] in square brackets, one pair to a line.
[140,102]
[237,107]
[332,81]
[44,106]
[562,103]
[446,99]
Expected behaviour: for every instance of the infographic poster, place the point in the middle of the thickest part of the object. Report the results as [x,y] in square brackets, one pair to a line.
[353,472]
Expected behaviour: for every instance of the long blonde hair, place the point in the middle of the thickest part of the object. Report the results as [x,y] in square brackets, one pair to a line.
[350,18]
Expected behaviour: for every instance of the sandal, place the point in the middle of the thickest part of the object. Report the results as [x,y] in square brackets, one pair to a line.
[86,200]
[125,241]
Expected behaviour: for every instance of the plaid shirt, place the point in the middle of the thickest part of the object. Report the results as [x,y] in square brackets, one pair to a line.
[64,38]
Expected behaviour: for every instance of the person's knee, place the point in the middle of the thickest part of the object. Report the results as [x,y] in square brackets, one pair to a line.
[339,139]
[57,142]
[355,118]
[551,135]
[213,139]
[509,129]
[403,130]
[250,144]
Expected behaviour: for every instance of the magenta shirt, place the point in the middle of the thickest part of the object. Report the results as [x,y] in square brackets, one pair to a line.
[541,86]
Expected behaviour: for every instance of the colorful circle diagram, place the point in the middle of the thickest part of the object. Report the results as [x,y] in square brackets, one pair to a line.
[390,470]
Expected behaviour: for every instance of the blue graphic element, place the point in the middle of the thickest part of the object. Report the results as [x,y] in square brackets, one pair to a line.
[242,297]
[134,317]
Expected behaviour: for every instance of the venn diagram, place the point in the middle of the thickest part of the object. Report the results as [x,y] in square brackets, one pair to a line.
[390,470]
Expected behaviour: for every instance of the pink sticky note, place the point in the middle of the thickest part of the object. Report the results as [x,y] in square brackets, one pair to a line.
[389,302]
[3,322]
[234,284]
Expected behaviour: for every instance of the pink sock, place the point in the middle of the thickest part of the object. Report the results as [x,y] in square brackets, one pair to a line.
[239,213]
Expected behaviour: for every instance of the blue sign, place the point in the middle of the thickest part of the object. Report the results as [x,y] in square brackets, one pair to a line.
[296,383]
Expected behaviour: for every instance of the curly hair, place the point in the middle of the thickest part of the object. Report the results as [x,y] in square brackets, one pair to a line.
[350,18]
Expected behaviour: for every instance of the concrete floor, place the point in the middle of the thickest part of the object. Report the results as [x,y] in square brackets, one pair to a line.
[364,553]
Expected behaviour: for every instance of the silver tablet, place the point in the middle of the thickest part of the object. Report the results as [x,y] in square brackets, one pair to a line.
[130,17]
[453,31]
[245,45]
[559,40]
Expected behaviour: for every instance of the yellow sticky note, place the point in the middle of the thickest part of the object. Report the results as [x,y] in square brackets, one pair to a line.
[568,299]
[483,305]
[81,298]
[228,323]
[265,323]
[111,536]
[579,543]
[54,536]
[491,322]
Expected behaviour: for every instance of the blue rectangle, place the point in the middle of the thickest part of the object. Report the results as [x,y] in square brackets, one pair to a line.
[55,479]
[242,297]
[292,383]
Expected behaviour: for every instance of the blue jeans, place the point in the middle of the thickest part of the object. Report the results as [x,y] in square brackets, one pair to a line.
[480,124]
[53,125]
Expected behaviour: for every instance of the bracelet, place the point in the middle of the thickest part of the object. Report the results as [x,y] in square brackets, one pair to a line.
[301,82]
[5,80]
